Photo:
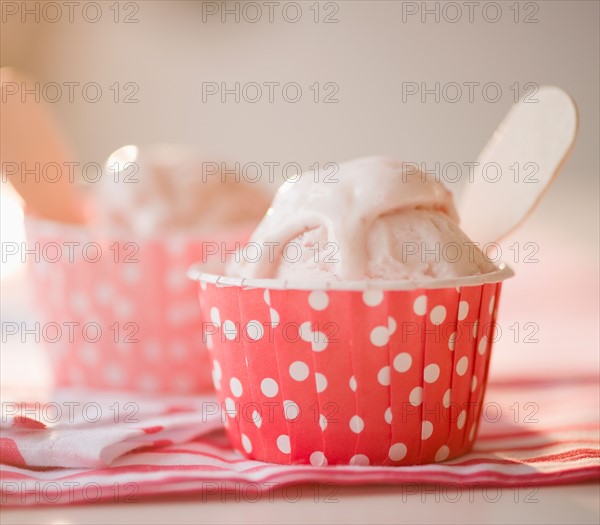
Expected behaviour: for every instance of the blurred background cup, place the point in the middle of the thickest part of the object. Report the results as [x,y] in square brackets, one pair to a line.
[117,309]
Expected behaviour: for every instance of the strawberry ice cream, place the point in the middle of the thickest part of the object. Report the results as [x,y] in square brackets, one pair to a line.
[378,220]
[164,189]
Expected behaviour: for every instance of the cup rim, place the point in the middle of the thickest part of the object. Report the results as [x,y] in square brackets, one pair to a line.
[39,225]
[196,273]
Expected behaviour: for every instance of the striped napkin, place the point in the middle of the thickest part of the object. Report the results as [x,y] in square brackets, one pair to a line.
[533,433]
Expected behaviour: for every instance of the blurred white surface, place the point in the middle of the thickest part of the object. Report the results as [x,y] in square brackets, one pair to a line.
[576,504]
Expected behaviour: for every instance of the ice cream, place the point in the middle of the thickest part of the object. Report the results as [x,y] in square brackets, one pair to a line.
[378,220]
[164,189]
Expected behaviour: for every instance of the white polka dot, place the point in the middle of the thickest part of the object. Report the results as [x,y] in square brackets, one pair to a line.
[462,365]
[318,300]
[492,303]
[290,410]
[318,459]
[463,310]
[319,341]
[397,452]
[402,362]
[79,301]
[420,305]
[217,374]
[217,369]
[475,327]
[267,297]
[229,329]
[357,424]
[230,407]
[383,376]
[299,370]
[256,419]
[274,317]
[380,336]
[426,430]
[447,398]
[283,443]
[305,332]
[359,460]
[431,373]
[462,417]
[235,386]
[321,381]
[124,309]
[176,315]
[416,396]
[482,346]
[438,314]
[246,443]
[473,383]
[388,415]
[452,341]
[176,278]
[114,374]
[104,293]
[472,432]
[89,354]
[442,453]
[352,384]
[269,387]
[209,340]
[322,422]
[178,350]
[215,316]
[255,330]
[147,383]
[392,325]
[182,382]
[372,297]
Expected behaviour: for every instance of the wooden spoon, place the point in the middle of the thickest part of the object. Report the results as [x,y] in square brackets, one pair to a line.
[518,164]
[28,135]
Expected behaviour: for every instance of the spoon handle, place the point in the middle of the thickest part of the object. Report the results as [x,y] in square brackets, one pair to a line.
[518,164]
[33,153]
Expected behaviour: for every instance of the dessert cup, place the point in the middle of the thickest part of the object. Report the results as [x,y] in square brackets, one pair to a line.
[350,373]
[120,313]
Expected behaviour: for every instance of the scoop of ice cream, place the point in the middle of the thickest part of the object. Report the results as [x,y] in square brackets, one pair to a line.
[166,188]
[379,220]
[417,244]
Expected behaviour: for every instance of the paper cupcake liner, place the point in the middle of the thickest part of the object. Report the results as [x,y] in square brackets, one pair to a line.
[135,296]
[369,373]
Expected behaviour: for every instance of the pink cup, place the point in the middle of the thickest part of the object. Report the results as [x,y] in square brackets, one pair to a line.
[364,373]
[127,315]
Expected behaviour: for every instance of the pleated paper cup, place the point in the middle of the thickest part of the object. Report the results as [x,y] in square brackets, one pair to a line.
[358,373]
[120,314]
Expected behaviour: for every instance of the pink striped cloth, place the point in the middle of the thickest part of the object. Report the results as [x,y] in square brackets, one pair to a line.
[533,433]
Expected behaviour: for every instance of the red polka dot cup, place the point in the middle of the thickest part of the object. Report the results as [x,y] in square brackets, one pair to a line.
[120,314]
[362,373]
